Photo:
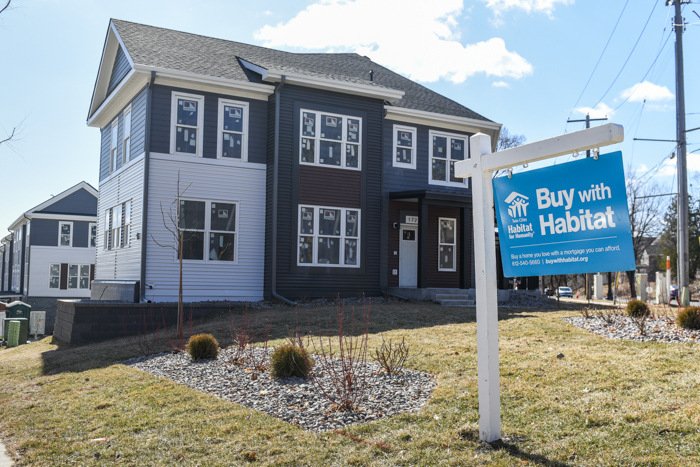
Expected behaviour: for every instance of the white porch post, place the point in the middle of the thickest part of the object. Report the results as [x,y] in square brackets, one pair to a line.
[486,293]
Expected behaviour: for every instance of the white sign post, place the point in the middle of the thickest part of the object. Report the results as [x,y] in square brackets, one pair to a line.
[480,168]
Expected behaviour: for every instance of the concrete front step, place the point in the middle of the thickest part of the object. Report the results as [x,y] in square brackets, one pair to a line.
[456,302]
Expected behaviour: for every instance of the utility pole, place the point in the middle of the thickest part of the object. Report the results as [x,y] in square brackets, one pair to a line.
[682,226]
[588,121]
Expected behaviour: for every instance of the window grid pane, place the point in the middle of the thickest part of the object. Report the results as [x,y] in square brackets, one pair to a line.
[337,240]
[332,140]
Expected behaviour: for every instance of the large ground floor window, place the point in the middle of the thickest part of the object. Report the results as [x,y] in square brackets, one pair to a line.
[329,236]
[69,276]
[209,230]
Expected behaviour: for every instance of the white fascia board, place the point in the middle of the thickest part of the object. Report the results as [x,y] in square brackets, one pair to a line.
[262,90]
[62,217]
[345,87]
[126,90]
[19,222]
[422,117]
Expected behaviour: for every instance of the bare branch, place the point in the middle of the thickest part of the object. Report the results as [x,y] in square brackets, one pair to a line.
[12,135]
[3,9]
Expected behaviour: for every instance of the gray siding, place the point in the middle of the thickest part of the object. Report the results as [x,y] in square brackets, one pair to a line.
[45,233]
[82,202]
[120,70]
[160,123]
[138,134]
[295,281]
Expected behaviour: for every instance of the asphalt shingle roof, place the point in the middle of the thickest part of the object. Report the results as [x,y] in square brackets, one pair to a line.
[176,50]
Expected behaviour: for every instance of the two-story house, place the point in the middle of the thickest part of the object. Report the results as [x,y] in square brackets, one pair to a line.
[50,252]
[292,175]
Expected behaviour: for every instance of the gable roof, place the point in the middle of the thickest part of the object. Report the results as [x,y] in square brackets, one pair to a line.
[36,210]
[152,48]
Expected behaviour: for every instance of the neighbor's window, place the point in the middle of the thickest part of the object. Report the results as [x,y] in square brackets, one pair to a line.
[126,147]
[84,282]
[445,150]
[92,228]
[233,130]
[114,144]
[447,248]
[108,229]
[328,236]
[187,121]
[73,273]
[330,140]
[404,147]
[54,276]
[65,234]
[212,221]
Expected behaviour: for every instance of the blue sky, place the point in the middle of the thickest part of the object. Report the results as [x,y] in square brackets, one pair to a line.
[522,63]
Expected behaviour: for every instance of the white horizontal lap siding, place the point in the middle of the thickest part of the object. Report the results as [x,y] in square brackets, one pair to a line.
[206,180]
[121,263]
[41,259]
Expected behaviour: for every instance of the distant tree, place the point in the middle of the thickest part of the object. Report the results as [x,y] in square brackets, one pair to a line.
[506,140]
[669,236]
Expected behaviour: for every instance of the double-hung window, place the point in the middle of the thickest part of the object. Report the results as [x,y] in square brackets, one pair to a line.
[114,145]
[232,140]
[92,229]
[404,147]
[54,276]
[447,248]
[186,124]
[208,230]
[445,150]
[126,224]
[330,140]
[329,236]
[126,147]
[108,229]
[65,234]
[117,226]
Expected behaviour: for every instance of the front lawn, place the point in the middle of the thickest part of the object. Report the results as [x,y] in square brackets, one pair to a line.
[606,402]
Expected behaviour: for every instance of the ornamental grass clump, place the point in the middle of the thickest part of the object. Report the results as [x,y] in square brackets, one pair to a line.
[203,346]
[637,309]
[290,360]
[689,318]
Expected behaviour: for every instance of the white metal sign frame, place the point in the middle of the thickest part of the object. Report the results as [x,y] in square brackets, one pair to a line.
[480,168]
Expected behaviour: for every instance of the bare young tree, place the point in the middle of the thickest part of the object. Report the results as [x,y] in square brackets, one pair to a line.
[506,140]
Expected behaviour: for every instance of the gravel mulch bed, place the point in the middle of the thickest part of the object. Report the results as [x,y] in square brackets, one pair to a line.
[294,400]
[623,327]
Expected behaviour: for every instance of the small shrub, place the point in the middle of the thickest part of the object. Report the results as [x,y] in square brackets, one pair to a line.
[637,309]
[202,346]
[392,356]
[290,360]
[689,318]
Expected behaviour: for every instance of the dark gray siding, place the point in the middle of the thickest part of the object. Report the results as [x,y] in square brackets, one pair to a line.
[160,121]
[82,202]
[292,280]
[396,179]
[45,233]
[120,70]
[138,134]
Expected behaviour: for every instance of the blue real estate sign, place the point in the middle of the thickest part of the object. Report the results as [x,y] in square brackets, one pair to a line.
[569,218]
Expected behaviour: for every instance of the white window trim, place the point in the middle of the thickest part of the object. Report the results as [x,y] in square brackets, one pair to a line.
[108,230]
[208,230]
[220,130]
[59,275]
[454,245]
[114,145]
[403,165]
[343,142]
[77,283]
[174,125]
[342,237]
[59,234]
[90,226]
[447,182]
[126,221]
[126,136]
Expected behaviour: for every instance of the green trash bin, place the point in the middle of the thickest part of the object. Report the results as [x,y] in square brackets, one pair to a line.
[23,329]
[18,309]
[13,330]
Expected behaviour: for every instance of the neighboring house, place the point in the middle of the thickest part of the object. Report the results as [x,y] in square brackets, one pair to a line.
[651,253]
[50,252]
[300,175]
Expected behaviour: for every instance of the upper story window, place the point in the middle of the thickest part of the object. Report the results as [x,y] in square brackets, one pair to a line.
[404,147]
[92,229]
[114,145]
[117,226]
[126,147]
[330,140]
[447,244]
[329,237]
[186,123]
[65,234]
[445,150]
[232,140]
[209,224]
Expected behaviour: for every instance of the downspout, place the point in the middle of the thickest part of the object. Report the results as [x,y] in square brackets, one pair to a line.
[146,171]
[275,189]
[28,259]
[23,259]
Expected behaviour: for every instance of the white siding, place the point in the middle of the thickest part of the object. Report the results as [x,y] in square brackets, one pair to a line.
[214,180]
[124,185]
[41,257]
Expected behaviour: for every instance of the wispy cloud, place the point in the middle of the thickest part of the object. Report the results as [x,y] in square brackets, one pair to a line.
[500,84]
[424,44]
[647,91]
[599,111]
[500,7]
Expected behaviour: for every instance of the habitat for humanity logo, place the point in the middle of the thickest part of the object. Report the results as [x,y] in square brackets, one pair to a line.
[517,204]
[517,208]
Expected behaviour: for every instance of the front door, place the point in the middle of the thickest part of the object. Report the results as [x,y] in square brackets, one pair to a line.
[408,257]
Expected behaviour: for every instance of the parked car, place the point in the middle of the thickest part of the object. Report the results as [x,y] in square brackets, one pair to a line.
[674,293]
[565,292]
